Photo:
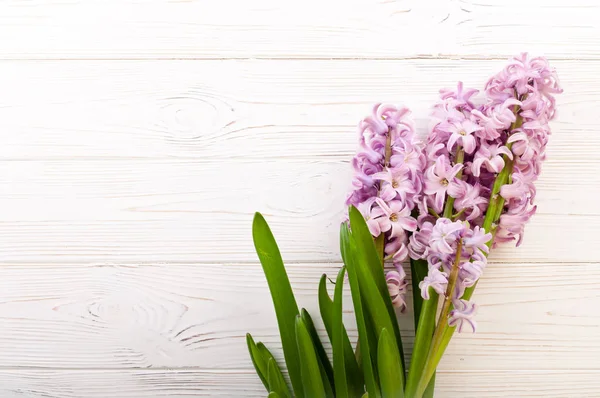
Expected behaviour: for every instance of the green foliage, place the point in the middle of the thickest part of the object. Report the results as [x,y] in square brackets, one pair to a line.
[390,371]
[284,301]
[381,369]
[337,339]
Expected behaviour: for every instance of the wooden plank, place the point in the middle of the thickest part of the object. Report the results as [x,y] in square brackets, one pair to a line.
[148,383]
[532,316]
[310,29]
[251,110]
[167,161]
[169,210]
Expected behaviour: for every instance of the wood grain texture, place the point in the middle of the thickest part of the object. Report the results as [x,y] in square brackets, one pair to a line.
[139,161]
[137,138]
[309,29]
[184,383]
[532,316]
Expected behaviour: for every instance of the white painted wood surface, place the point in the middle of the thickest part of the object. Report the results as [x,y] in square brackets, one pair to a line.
[137,138]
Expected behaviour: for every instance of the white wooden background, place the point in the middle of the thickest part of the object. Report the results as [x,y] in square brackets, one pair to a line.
[137,138]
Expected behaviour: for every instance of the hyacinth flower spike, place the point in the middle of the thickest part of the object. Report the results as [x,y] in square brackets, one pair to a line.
[483,161]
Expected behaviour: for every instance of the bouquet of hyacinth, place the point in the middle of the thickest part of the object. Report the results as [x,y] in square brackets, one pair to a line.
[442,204]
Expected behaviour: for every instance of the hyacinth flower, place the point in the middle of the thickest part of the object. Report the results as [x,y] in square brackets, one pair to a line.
[478,192]
[387,185]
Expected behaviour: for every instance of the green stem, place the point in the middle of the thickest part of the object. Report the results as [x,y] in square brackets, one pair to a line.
[424,329]
[380,245]
[433,213]
[388,148]
[380,240]
[442,324]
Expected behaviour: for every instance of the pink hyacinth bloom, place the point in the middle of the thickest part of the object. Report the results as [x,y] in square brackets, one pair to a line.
[490,156]
[510,127]
[366,209]
[461,96]
[437,178]
[419,241]
[496,118]
[397,287]
[412,158]
[397,249]
[471,271]
[395,218]
[435,279]
[477,239]
[397,182]
[522,146]
[445,234]
[468,198]
[463,315]
[520,188]
[461,133]
[386,188]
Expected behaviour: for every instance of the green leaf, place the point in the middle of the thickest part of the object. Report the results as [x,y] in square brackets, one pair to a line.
[276,380]
[257,360]
[423,338]
[325,305]
[430,388]
[374,302]
[424,329]
[354,374]
[273,394]
[370,264]
[267,359]
[348,249]
[284,302]
[309,365]
[365,245]
[418,271]
[389,367]
[337,339]
[371,328]
[324,363]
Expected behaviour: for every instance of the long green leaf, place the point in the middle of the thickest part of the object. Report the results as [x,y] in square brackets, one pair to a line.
[337,339]
[418,272]
[389,366]
[371,329]
[365,245]
[324,363]
[309,364]
[430,388]
[258,360]
[423,337]
[424,327]
[284,302]
[325,305]
[268,358]
[276,380]
[374,304]
[348,249]
[354,375]
[372,262]
[273,394]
